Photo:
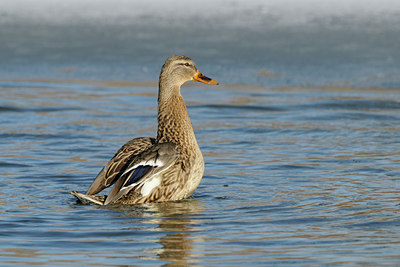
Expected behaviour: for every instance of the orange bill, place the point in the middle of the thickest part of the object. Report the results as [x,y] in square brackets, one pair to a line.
[203,79]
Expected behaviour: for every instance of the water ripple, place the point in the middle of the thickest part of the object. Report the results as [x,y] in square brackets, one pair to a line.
[38,109]
[293,177]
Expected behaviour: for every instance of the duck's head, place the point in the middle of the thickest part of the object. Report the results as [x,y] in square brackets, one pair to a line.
[179,69]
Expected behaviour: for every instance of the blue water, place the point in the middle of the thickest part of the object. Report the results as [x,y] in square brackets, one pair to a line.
[301,139]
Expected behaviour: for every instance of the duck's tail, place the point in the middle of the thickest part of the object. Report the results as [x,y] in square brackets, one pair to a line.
[89,199]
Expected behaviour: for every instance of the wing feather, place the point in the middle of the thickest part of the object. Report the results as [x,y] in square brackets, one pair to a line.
[119,163]
[144,171]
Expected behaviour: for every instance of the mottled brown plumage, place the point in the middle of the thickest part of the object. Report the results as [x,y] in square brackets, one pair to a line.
[169,167]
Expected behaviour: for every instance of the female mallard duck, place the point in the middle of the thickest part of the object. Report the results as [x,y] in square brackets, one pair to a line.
[168,167]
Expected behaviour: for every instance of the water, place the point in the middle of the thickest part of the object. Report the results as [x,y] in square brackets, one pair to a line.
[301,149]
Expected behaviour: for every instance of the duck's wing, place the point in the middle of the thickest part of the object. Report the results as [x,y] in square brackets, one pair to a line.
[119,163]
[144,172]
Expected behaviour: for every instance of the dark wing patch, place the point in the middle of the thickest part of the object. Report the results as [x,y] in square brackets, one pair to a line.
[137,174]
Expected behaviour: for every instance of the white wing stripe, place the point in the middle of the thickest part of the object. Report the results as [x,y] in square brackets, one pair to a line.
[157,163]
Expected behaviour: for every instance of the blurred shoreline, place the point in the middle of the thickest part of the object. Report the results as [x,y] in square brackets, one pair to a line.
[301,43]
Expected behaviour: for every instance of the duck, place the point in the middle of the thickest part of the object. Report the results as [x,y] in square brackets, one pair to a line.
[168,167]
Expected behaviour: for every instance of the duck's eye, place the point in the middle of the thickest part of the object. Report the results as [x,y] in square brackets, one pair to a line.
[187,64]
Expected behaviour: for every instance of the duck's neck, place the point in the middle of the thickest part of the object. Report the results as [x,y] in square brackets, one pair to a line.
[173,120]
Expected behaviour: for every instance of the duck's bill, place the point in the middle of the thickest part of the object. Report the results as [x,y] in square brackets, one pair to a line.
[203,79]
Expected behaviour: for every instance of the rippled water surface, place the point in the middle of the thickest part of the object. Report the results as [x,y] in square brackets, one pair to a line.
[301,138]
[293,176]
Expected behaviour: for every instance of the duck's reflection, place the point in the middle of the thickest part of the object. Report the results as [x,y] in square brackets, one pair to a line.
[178,220]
